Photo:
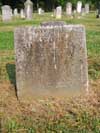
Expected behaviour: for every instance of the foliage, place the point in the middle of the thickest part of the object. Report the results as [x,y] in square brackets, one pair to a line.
[47,4]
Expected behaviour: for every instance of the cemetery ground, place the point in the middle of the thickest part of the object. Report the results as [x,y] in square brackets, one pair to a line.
[79,114]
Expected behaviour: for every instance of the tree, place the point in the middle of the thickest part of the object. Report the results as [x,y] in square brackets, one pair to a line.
[48,4]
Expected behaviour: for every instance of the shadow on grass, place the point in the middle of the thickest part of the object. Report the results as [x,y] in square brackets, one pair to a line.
[12,75]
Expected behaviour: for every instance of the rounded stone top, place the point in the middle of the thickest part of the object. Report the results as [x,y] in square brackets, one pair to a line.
[69,4]
[6,7]
[53,23]
[28,2]
[79,2]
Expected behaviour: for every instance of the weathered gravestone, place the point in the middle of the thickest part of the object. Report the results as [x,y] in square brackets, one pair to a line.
[50,61]
[6,13]
[87,8]
[79,7]
[22,14]
[83,11]
[53,23]
[40,11]
[16,12]
[28,10]
[98,11]
[59,12]
[69,9]
[54,12]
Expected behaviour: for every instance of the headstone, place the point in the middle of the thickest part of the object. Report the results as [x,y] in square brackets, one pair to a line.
[59,12]
[43,11]
[83,11]
[16,12]
[6,13]
[40,11]
[53,23]
[69,9]
[28,10]
[98,11]
[22,14]
[54,12]
[74,11]
[50,61]
[87,8]
[79,7]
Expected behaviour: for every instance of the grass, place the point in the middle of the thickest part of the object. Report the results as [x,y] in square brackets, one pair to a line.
[79,115]
[84,124]
[7,40]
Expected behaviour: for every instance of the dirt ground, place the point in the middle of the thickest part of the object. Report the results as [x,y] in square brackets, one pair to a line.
[11,106]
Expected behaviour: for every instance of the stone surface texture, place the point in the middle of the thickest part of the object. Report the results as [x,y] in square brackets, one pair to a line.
[50,61]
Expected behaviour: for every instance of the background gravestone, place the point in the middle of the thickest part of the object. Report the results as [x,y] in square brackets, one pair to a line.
[98,11]
[87,8]
[69,9]
[39,11]
[79,7]
[53,23]
[6,13]
[16,12]
[59,12]
[54,12]
[50,61]
[22,14]
[83,11]
[28,10]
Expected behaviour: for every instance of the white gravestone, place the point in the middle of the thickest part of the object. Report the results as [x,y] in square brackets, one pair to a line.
[59,12]
[22,14]
[40,11]
[69,9]
[28,10]
[16,12]
[79,7]
[6,13]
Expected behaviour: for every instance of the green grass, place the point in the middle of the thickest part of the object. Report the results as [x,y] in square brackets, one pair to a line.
[7,40]
[84,124]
